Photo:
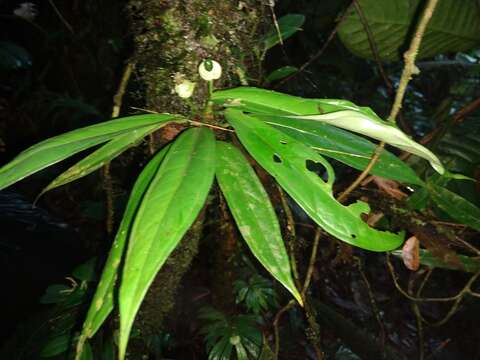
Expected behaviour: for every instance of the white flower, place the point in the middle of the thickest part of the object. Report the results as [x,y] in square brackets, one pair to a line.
[210,70]
[185,89]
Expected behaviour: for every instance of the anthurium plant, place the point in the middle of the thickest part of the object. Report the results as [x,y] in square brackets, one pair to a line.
[284,134]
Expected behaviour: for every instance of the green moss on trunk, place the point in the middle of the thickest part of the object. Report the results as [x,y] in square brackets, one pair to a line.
[171,39]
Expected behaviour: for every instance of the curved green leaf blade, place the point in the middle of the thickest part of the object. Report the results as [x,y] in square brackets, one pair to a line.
[280,73]
[253,212]
[55,149]
[456,206]
[101,156]
[288,25]
[262,101]
[102,302]
[267,102]
[56,346]
[88,353]
[378,129]
[286,159]
[169,207]
[454,27]
[350,149]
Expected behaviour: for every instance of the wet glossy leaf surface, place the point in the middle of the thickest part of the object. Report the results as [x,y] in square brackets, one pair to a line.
[264,101]
[378,129]
[456,206]
[343,146]
[253,213]
[55,149]
[101,156]
[102,303]
[339,113]
[169,207]
[288,160]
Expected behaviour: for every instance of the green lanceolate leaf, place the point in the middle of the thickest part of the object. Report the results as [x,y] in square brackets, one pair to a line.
[101,156]
[102,303]
[290,161]
[262,101]
[339,113]
[346,147]
[454,27]
[56,346]
[343,146]
[55,149]
[253,212]
[169,207]
[288,25]
[280,73]
[470,264]
[376,128]
[456,206]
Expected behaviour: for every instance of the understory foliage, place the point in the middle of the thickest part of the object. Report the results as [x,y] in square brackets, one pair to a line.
[243,143]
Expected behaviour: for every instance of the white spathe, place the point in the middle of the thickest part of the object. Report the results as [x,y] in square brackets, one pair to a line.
[210,70]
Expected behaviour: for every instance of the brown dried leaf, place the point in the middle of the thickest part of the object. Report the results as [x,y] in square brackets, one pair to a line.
[171,130]
[374,218]
[391,187]
[411,253]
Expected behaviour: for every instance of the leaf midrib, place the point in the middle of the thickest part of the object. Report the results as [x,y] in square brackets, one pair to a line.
[151,186]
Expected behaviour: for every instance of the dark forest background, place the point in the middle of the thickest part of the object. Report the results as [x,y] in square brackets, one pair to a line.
[61,64]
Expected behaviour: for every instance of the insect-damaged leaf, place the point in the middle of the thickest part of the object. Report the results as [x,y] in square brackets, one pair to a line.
[376,128]
[253,212]
[289,162]
[102,302]
[169,207]
[340,113]
[345,147]
[55,149]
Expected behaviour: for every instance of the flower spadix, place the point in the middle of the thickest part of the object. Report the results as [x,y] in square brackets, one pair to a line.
[210,70]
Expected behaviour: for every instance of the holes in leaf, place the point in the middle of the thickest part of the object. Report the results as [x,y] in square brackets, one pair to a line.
[277,159]
[353,236]
[283,142]
[317,168]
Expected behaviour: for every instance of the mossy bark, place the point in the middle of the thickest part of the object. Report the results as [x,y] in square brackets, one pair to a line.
[171,38]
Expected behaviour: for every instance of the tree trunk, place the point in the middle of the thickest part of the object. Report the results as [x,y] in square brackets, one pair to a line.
[171,38]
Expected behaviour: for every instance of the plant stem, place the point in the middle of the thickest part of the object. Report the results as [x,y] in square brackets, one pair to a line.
[408,70]
[107,178]
[409,56]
